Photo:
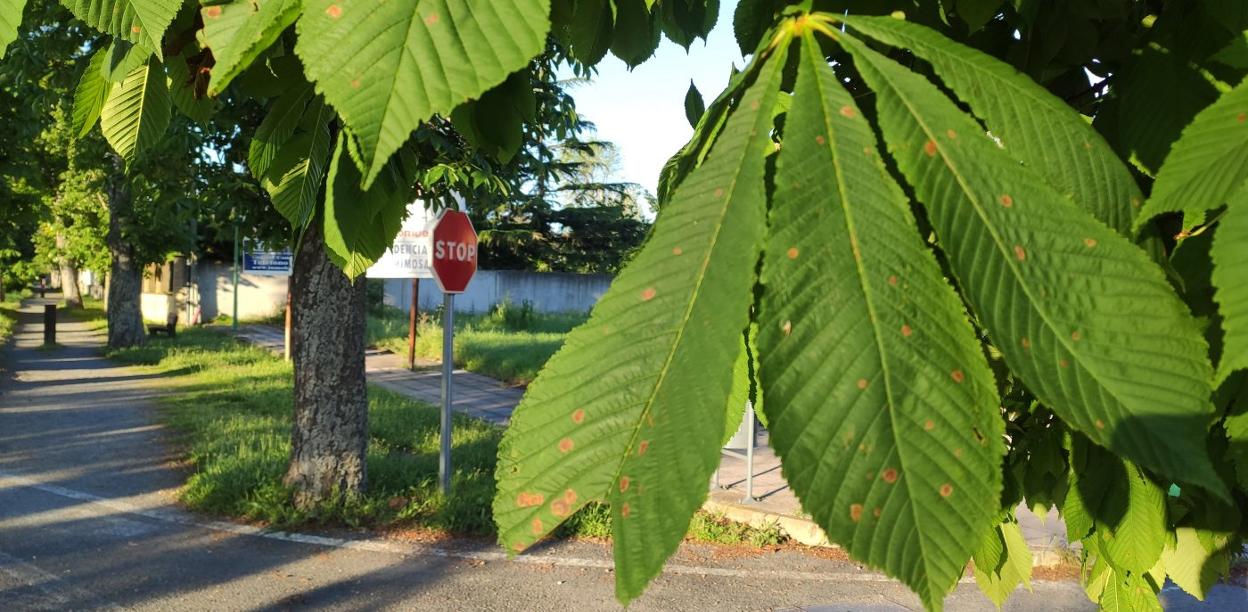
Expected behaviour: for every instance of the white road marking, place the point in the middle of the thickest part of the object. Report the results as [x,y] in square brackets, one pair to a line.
[109,506]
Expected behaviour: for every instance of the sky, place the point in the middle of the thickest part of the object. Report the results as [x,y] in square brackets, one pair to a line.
[643,111]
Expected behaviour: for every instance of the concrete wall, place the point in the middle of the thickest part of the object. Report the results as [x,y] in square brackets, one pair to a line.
[547,291]
[258,296]
[264,296]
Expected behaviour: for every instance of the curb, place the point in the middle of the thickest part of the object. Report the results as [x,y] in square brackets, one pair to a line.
[804,531]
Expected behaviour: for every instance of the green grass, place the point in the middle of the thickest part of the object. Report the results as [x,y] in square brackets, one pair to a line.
[511,344]
[230,406]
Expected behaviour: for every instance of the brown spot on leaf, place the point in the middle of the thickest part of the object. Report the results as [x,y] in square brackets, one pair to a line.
[648,294]
[1135,202]
[957,376]
[624,482]
[355,84]
[1242,117]
[876,512]
[1020,253]
[820,140]
[431,19]
[793,252]
[1090,242]
[862,383]
[1026,344]
[642,447]
[566,445]
[1007,200]
[892,280]
[1100,424]
[559,508]
[578,417]
[719,192]
[334,11]
[753,104]
[625,510]
[537,527]
[929,147]
[855,512]
[946,490]
[212,12]
[529,500]
[951,134]
[929,425]
[677,251]
[135,29]
[1075,335]
[957,452]
[1064,363]
[905,330]
[787,328]
[569,497]
[889,475]
[847,111]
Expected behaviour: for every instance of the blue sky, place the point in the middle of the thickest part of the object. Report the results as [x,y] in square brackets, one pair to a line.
[643,111]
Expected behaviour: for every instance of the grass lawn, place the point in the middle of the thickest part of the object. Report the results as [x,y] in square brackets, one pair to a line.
[230,406]
[511,343]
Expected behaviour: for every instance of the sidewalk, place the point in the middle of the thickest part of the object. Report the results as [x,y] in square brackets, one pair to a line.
[773,502]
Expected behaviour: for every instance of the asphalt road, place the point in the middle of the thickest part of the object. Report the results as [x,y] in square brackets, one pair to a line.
[88,520]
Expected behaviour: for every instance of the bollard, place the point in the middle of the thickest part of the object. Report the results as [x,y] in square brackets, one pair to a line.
[49,324]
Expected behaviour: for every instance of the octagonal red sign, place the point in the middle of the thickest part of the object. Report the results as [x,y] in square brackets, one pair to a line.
[454,251]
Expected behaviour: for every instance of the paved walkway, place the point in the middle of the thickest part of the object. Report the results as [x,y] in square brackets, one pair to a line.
[773,501]
[88,520]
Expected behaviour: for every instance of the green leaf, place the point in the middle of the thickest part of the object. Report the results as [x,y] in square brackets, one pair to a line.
[1002,562]
[1230,271]
[631,409]
[10,21]
[90,95]
[239,31]
[589,30]
[739,394]
[1193,565]
[123,58]
[1118,505]
[360,225]
[637,32]
[1153,99]
[294,178]
[495,123]
[1237,432]
[138,21]
[182,92]
[389,66]
[1207,165]
[1037,128]
[279,124]
[879,399]
[1080,314]
[751,21]
[137,111]
[687,20]
[694,106]
[976,13]
[1114,590]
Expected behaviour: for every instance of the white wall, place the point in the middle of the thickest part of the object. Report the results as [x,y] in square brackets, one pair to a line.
[547,291]
[258,296]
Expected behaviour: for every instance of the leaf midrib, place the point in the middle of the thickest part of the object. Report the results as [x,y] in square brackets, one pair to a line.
[868,298]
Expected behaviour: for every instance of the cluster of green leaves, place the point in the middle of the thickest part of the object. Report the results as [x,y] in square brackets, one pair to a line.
[977,270]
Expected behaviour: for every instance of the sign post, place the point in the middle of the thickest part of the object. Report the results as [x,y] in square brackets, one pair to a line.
[408,257]
[453,243]
[268,263]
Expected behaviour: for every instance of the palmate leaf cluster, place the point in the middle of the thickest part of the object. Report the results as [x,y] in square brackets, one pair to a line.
[952,258]
[955,295]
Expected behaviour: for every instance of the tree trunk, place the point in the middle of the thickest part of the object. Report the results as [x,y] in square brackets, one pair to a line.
[329,439]
[69,277]
[125,314]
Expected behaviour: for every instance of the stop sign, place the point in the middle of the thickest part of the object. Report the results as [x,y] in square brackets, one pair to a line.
[454,251]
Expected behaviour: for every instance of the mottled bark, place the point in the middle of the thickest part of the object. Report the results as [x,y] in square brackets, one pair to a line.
[125,314]
[329,438]
[69,277]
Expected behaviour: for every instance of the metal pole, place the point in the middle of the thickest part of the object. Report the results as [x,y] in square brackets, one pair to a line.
[235,317]
[749,454]
[448,367]
[411,325]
